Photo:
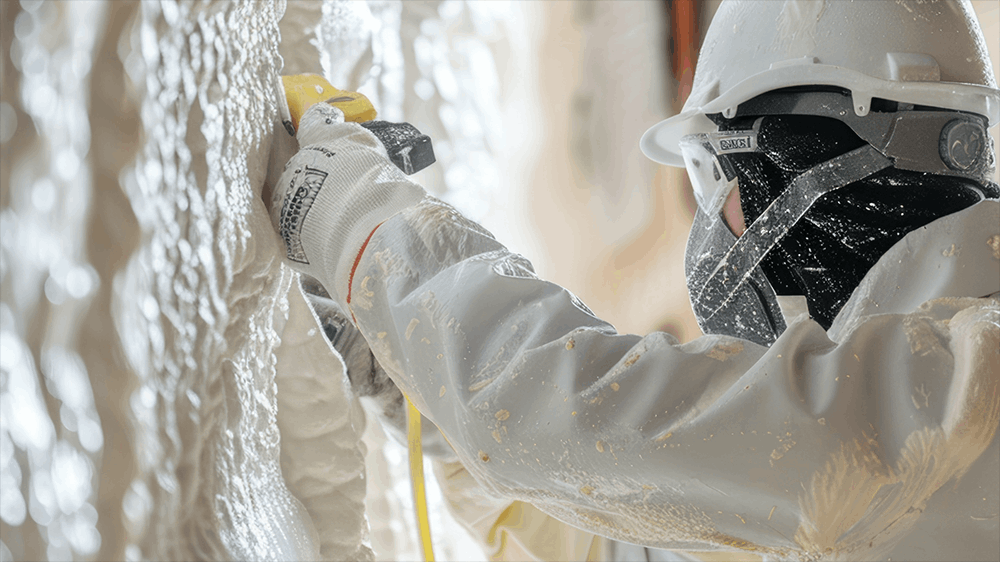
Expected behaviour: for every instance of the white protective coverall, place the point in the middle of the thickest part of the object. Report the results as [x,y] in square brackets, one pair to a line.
[876,439]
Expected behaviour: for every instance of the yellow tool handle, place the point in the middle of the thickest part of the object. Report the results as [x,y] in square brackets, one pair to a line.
[303,90]
[417,478]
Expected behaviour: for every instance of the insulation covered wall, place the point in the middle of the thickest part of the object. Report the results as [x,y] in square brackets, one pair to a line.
[131,190]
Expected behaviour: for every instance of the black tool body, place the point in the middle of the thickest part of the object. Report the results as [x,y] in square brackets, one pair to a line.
[408,148]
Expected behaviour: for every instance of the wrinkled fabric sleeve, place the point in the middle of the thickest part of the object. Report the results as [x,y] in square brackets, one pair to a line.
[808,447]
[510,530]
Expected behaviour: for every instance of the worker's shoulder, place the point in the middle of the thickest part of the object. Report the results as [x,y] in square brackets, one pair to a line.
[956,256]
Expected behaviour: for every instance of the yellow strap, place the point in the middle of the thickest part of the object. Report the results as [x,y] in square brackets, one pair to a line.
[417,478]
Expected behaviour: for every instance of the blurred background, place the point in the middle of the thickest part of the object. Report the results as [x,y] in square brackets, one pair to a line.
[143,297]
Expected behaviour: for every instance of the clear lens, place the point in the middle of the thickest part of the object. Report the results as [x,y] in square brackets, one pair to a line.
[709,182]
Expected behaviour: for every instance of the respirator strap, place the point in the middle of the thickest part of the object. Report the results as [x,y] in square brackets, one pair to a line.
[785,211]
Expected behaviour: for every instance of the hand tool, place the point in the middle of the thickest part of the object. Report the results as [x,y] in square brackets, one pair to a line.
[408,149]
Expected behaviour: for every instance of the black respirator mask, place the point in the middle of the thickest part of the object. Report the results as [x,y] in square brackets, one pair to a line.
[824,194]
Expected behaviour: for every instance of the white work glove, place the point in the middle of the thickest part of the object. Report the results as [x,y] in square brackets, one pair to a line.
[332,195]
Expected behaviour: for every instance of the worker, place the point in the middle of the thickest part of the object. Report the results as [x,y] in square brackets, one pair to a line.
[844,263]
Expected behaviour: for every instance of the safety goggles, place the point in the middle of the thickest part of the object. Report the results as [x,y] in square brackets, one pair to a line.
[937,142]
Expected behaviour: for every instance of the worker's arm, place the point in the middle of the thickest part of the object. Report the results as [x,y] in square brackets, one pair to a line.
[718,442]
[806,446]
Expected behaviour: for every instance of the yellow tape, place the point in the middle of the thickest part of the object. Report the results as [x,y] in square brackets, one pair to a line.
[417,478]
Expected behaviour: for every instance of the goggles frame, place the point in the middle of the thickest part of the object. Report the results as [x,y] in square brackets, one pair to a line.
[963,147]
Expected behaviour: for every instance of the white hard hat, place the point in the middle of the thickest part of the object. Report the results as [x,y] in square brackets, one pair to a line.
[909,51]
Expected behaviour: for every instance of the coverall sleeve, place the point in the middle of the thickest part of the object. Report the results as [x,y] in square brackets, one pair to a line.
[810,448]
[509,530]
